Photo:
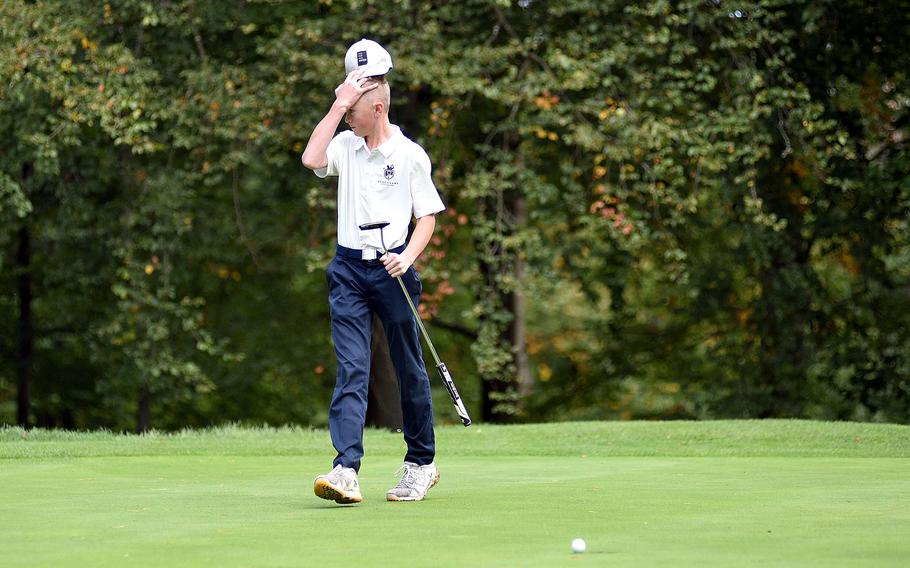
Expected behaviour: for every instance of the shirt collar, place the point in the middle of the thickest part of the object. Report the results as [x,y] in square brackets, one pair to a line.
[389,146]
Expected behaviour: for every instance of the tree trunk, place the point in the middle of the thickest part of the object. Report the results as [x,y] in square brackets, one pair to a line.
[518,328]
[502,395]
[492,389]
[144,414]
[26,329]
[499,393]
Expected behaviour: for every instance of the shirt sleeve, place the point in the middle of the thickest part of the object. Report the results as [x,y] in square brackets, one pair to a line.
[423,192]
[333,153]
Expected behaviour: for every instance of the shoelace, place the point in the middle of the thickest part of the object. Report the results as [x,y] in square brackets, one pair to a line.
[410,476]
[338,472]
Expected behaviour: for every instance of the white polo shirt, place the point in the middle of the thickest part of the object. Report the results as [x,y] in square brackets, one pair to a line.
[391,183]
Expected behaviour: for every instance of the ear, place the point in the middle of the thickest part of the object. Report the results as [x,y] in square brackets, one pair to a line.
[378,107]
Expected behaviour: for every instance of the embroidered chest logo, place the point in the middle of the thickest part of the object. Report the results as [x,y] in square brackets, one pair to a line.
[389,171]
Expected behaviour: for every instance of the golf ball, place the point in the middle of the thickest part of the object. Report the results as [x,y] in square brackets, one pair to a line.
[578,545]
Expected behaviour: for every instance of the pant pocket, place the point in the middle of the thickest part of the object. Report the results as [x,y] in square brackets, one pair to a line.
[412,282]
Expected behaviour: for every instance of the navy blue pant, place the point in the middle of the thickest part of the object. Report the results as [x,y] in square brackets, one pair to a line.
[356,289]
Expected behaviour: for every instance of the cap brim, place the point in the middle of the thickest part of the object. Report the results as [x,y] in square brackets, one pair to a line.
[373,70]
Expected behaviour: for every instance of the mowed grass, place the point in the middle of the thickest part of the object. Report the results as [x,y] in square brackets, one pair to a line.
[731,493]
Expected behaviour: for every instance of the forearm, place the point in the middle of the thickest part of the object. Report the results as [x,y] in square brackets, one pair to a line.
[423,232]
[314,156]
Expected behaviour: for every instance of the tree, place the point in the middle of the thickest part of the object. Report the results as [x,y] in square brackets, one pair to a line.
[672,209]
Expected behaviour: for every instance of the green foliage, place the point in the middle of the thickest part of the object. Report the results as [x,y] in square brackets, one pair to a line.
[655,210]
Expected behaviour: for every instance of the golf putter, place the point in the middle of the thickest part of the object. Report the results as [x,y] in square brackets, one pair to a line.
[440,366]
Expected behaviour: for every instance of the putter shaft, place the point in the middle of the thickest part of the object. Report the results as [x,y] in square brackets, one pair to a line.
[423,329]
[440,366]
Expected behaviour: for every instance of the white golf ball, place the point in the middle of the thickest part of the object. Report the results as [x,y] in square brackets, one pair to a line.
[578,545]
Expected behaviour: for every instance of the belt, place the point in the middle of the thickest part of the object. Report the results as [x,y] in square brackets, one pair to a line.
[357,254]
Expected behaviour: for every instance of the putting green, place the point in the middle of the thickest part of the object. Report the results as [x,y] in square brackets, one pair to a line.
[640,494]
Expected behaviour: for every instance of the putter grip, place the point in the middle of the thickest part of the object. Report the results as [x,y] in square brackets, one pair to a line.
[453,392]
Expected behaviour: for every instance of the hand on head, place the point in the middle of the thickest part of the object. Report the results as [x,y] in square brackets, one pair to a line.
[355,85]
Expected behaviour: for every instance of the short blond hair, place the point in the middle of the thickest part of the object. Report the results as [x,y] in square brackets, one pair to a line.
[381,93]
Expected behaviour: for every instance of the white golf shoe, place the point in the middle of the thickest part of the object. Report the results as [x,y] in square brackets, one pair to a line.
[415,481]
[339,485]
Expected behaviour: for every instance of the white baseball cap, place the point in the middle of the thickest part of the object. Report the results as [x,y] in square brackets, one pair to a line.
[369,56]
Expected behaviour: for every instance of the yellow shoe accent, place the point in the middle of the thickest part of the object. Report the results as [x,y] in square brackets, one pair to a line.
[332,486]
[324,489]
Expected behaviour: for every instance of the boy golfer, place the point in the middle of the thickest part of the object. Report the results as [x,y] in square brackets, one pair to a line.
[382,176]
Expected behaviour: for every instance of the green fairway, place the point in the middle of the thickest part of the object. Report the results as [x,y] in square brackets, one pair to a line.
[640,494]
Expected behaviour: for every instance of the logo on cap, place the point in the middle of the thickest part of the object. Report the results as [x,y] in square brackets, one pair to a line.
[361,58]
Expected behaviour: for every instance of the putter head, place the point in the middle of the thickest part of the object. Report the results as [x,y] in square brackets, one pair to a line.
[372,226]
